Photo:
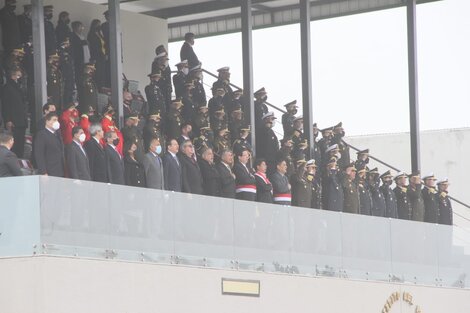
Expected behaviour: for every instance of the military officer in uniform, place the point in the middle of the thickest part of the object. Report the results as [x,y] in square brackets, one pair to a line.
[338,132]
[87,90]
[315,181]
[260,107]
[325,142]
[389,196]
[222,141]
[378,201]
[350,190]
[288,118]
[333,196]
[199,94]
[132,134]
[445,205]
[317,154]
[285,154]
[223,81]
[152,130]
[301,187]
[55,87]
[431,199]
[66,69]
[365,198]
[404,208]
[241,143]
[267,145]
[180,78]
[155,97]
[189,106]
[200,119]
[174,119]
[219,121]
[216,102]
[204,141]
[236,121]
[362,159]
[161,63]
[416,197]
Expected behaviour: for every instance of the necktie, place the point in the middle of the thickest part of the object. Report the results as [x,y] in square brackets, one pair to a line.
[176,160]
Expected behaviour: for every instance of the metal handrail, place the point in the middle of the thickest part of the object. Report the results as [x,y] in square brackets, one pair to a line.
[235,86]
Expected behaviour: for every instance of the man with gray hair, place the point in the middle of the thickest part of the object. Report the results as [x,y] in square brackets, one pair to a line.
[114,161]
[8,161]
[96,155]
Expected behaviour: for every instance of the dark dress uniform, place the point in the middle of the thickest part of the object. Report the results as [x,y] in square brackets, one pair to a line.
[62,31]
[221,144]
[87,93]
[317,194]
[210,177]
[245,182]
[187,53]
[390,201]
[199,94]
[260,109]
[405,211]
[10,29]
[351,196]
[267,147]
[152,129]
[417,203]
[189,108]
[241,144]
[49,36]
[281,189]
[215,104]
[431,205]
[288,124]
[200,119]
[344,150]
[155,98]
[218,124]
[227,181]
[55,86]
[25,24]
[174,123]
[445,209]
[134,172]
[165,85]
[365,199]
[378,201]
[179,79]
[334,196]
[68,76]
[264,189]
[302,191]
[201,143]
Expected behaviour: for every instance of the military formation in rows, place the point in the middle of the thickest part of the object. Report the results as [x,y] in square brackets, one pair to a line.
[180,141]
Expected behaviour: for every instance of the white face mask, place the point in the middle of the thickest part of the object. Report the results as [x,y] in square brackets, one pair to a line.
[82,138]
[185,70]
[56,125]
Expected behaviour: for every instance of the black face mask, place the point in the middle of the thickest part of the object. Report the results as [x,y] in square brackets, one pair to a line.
[116,141]
[293,111]
[388,183]
[264,98]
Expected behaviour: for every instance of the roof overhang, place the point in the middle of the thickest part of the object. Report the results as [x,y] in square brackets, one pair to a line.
[214,17]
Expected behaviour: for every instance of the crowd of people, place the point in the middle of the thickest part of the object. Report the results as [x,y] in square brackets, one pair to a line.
[178,140]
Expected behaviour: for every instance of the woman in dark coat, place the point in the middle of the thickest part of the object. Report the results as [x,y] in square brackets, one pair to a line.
[264,188]
[134,172]
[210,175]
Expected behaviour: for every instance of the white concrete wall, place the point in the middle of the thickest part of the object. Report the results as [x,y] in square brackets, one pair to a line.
[141,34]
[58,285]
[444,152]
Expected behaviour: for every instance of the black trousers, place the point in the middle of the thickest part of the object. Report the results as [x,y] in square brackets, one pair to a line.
[18,146]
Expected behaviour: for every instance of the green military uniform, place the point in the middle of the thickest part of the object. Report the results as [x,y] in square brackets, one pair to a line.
[416,199]
[87,90]
[55,86]
[203,141]
[301,188]
[174,119]
[351,194]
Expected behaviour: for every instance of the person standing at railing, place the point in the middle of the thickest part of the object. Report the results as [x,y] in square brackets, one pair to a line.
[9,165]
[431,199]
[187,51]
[350,190]
[191,173]
[405,211]
[179,79]
[389,196]
[333,191]
[301,186]
[338,135]
[155,98]
[161,64]
[153,165]
[378,201]
[281,186]
[49,148]
[199,93]
[223,82]
[288,118]
[245,180]
[445,205]
[365,198]
[261,96]
[312,176]
[416,197]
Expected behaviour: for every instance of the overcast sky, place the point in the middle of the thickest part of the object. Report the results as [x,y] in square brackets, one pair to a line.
[359,67]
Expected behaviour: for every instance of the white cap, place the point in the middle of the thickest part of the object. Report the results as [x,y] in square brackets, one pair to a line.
[161,55]
[300,117]
[430,175]
[224,69]
[443,181]
[269,114]
[182,63]
[311,162]
[400,174]
[333,147]
[195,68]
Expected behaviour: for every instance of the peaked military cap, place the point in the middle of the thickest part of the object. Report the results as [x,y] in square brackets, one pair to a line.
[386,174]
[366,151]
[443,181]
[300,117]
[311,162]
[269,114]
[157,72]
[223,69]
[400,175]
[339,125]
[291,103]
[415,174]
[374,171]
[430,176]
[332,147]
[260,91]
[184,62]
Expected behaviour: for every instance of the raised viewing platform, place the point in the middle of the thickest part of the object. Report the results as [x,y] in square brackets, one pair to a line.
[63,217]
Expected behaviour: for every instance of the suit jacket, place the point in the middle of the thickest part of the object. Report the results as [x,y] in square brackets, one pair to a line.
[8,163]
[49,153]
[227,182]
[96,161]
[153,167]
[244,178]
[172,173]
[264,189]
[115,166]
[77,162]
[210,177]
[192,178]
[13,107]
[187,53]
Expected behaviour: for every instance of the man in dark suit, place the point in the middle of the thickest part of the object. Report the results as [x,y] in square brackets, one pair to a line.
[153,165]
[192,178]
[8,161]
[172,171]
[14,110]
[96,155]
[187,52]
[210,175]
[114,161]
[49,148]
[77,159]
[227,177]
